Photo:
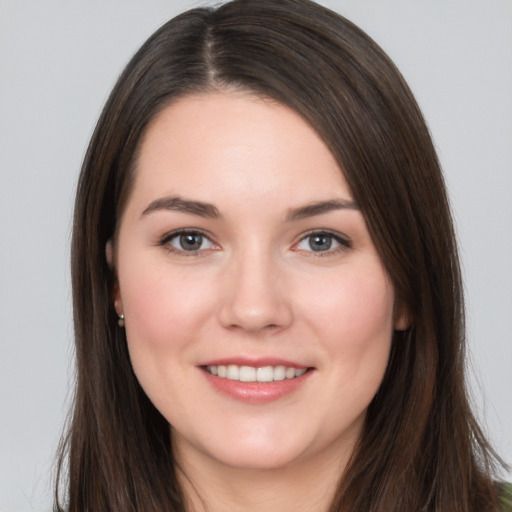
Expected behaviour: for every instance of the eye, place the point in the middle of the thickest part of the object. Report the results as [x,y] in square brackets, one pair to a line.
[323,242]
[187,241]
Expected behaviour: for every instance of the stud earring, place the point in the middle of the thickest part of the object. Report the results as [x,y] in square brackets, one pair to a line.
[120,320]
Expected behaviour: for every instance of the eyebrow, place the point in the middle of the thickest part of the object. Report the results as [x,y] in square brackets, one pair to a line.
[176,203]
[321,207]
[207,210]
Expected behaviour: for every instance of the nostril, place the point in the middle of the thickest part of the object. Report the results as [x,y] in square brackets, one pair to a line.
[254,306]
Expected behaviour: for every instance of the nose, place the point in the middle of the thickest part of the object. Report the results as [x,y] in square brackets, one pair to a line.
[254,296]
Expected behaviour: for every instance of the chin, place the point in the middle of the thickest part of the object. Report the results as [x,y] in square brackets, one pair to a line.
[250,452]
[250,458]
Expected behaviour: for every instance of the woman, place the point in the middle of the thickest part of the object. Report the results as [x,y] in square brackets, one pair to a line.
[267,297]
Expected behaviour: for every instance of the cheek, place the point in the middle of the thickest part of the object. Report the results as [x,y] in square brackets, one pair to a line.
[354,328]
[164,315]
[353,323]
[163,310]
[368,310]
[359,305]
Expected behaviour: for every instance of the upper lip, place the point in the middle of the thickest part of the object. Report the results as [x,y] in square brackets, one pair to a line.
[256,362]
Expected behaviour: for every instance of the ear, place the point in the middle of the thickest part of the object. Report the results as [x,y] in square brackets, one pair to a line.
[402,317]
[116,294]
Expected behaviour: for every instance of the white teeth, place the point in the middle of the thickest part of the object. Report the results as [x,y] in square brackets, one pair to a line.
[247,374]
[233,372]
[279,373]
[251,374]
[265,374]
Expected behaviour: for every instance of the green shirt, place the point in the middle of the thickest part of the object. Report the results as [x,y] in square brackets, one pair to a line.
[506,497]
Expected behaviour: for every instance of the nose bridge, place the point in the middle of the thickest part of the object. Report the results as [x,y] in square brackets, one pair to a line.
[253,297]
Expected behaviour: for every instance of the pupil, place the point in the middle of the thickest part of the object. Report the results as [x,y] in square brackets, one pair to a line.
[191,241]
[320,242]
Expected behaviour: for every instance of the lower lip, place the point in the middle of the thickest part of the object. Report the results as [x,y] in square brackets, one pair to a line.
[256,392]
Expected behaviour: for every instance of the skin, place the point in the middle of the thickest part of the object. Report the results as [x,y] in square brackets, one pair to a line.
[255,288]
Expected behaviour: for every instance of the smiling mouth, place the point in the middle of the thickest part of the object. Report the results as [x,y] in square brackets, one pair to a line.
[252,374]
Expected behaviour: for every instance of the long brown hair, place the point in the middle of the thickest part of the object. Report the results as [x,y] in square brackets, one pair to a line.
[421,448]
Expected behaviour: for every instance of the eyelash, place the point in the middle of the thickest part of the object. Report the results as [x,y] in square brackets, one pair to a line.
[344,243]
[167,239]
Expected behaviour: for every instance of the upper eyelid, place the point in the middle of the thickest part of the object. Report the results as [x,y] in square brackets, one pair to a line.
[344,244]
[335,234]
[165,242]
[176,232]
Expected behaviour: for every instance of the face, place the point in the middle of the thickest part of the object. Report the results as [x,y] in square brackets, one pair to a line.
[257,312]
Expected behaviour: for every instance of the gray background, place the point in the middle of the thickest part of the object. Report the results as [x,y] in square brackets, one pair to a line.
[58,60]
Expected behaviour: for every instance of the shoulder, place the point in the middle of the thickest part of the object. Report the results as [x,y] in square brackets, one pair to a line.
[505,497]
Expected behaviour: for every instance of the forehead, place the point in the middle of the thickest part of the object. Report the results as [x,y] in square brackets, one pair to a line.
[232,145]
